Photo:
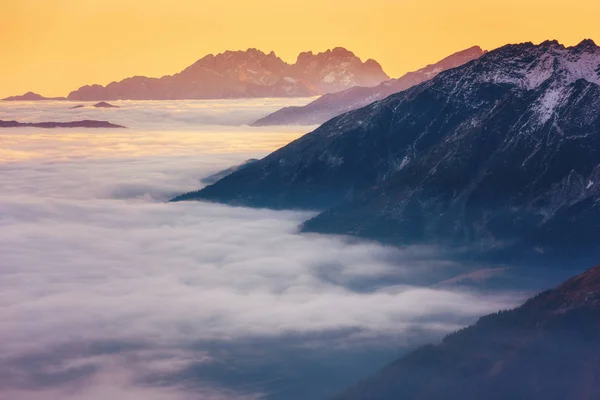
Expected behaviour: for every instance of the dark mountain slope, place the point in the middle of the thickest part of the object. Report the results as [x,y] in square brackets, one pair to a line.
[486,186]
[334,104]
[547,349]
[500,152]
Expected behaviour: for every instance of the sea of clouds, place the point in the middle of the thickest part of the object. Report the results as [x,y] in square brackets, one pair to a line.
[109,291]
[153,115]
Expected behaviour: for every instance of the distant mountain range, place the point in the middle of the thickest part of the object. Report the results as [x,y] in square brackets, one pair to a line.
[334,104]
[499,155]
[87,123]
[547,349]
[30,96]
[250,73]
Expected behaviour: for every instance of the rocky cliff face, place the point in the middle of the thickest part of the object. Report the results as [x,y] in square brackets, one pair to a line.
[503,152]
[336,70]
[547,349]
[334,104]
[251,73]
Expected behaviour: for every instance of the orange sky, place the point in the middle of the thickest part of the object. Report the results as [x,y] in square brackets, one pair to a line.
[54,46]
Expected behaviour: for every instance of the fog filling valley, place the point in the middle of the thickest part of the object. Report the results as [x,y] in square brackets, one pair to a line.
[107,290]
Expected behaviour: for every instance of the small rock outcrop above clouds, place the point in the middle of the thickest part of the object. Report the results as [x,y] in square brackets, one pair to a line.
[104,104]
[30,96]
[71,124]
[334,104]
[499,156]
[246,74]
[547,349]
[101,104]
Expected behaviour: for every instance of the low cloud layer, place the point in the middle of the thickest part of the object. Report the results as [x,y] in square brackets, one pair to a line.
[108,291]
[154,115]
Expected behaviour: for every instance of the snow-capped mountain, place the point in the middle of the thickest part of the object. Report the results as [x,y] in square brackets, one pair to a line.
[250,73]
[334,104]
[501,153]
[547,349]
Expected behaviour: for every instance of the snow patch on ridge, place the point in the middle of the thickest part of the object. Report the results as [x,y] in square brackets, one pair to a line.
[549,102]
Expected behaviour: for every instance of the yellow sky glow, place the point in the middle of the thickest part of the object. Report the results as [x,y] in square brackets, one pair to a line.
[54,46]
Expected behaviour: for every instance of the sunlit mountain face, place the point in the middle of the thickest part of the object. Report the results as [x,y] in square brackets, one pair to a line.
[246,74]
[109,290]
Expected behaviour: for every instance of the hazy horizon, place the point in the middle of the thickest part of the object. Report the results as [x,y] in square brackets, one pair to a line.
[56,48]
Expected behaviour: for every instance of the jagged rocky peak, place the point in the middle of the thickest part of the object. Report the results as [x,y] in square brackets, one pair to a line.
[307,57]
[529,65]
[550,43]
[586,45]
[304,57]
[471,49]
[371,63]
[338,69]
[247,73]
[340,53]
[251,53]
[223,62]
[468,54]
